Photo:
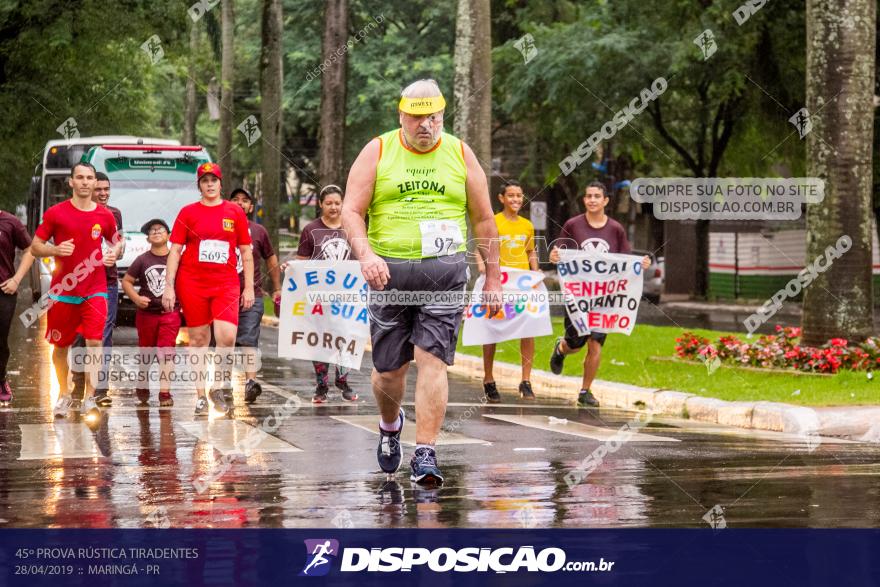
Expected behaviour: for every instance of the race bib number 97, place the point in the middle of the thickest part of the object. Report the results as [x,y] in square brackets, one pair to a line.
[440,237]
[214,251]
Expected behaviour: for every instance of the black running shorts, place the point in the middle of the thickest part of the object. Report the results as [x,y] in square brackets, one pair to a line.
[396,328]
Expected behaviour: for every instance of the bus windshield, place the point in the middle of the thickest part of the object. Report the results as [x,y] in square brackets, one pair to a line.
[141,200]
[149,185]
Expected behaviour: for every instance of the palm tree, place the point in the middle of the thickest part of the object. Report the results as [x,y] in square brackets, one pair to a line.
[840,89]
[331,134]
[271,78]
[190,104]
[227,68]
[473,78]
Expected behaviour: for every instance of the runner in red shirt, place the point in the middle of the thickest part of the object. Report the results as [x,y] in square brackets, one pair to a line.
[202,274]
[78,293]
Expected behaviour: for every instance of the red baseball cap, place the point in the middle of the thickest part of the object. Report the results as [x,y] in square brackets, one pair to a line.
[211,168]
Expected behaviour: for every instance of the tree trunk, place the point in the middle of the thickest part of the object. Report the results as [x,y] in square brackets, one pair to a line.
[840,81]
[190,105]
[331,135]
[227,83]
[473,77]
[271,77]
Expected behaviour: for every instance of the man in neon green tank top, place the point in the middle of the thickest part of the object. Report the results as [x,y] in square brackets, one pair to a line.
[417,184]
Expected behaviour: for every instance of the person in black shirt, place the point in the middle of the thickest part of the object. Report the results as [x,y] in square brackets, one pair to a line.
[13,235]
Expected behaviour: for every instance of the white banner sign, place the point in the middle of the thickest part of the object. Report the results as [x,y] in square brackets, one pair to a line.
[524,313]
[321,319]
[602,290]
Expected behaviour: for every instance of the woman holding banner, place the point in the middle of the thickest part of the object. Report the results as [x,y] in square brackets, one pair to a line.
[324,238]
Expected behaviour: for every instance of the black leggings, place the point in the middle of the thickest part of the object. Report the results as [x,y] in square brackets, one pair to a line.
[7,310]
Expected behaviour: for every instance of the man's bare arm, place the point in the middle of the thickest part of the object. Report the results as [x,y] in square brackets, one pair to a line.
[481,215]
[40,248]
[358,195]
[274,269]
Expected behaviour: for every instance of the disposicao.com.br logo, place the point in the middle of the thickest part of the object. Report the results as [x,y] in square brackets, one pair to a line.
[441,560]
[317,553]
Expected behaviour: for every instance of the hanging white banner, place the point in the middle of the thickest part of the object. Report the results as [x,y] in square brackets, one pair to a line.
[602,290]
[524,313]
[324,313]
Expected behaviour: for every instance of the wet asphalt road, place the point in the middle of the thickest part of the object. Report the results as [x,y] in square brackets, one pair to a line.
[505,465]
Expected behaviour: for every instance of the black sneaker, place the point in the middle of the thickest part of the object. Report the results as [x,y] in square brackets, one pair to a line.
[492,394]
[227,396]
[424,467]
[251,391]
[525,390]
[218,398]
[388,453]
[102,398]
[586,399]
[348,394]
[202,407]
[320,396]
[143,396]
[557,358]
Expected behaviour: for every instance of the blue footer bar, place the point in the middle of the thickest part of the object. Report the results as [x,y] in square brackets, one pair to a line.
[656,557]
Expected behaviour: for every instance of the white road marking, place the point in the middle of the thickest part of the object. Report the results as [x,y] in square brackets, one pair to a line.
[577,429]
[66,440]
[532,406]
[236,437]
[371,424]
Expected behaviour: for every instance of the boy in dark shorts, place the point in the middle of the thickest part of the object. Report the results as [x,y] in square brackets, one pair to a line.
[249,320]
[592,231]
[156,328]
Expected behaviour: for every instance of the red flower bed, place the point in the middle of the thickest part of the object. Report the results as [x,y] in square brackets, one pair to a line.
[782,351]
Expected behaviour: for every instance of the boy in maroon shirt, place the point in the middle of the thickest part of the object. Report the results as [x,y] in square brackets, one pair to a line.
[592,231]
[156,328]
[13,235]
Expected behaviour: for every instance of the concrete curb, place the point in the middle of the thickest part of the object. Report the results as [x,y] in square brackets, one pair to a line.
[854,423]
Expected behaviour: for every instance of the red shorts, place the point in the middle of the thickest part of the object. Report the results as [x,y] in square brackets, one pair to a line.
[157,330]
[202,304]
[64,321]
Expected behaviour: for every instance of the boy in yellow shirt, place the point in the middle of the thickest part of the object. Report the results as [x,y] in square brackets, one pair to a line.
[517,235]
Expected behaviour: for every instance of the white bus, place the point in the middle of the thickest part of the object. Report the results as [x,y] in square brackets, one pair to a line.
[49,186]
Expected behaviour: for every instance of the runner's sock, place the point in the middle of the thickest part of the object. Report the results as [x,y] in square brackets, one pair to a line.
[389,427]
[393,427]
[428,446]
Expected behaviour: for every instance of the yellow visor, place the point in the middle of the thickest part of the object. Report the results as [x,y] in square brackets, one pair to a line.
[422,106]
